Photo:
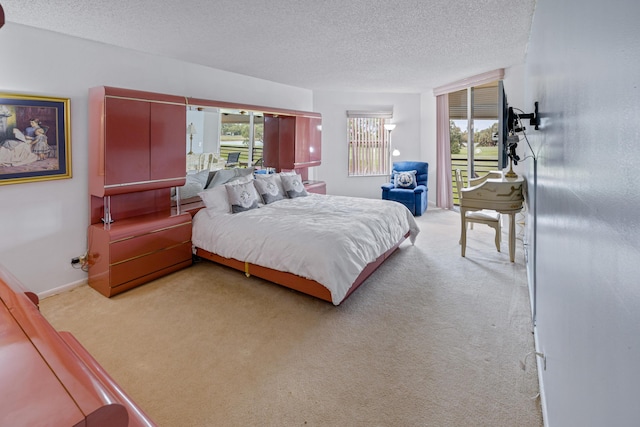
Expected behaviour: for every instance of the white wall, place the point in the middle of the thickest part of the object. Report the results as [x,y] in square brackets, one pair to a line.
[582,67]
[43,224]
[406,138]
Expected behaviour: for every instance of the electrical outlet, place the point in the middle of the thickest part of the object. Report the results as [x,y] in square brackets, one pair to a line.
[79,260]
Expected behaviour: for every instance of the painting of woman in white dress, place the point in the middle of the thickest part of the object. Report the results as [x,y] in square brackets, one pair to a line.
[16,152]
[34,138]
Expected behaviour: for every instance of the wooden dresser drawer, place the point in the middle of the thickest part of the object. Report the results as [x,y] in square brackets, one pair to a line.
[137,246]
[136,250]
[144,265]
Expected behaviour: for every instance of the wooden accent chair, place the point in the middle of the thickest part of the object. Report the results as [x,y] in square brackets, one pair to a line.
[485,216]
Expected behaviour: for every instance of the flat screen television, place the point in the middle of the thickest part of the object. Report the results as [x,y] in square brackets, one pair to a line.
[504,123]
[507,127]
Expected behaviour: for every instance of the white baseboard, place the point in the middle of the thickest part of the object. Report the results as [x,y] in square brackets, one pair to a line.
[61,289]
[541,367]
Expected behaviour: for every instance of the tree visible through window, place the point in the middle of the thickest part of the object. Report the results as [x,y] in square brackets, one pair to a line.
[369,148]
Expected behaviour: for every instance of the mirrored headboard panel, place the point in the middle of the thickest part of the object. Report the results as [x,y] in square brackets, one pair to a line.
[223,134]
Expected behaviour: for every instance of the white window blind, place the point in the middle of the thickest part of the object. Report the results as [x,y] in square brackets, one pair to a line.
[369,149]
[485,103]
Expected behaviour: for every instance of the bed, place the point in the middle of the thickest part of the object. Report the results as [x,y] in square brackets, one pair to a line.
[321,245]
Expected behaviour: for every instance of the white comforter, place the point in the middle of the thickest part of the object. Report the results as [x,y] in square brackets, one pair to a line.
[329,239]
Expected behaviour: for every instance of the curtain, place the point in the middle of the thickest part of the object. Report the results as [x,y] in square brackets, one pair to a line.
[444,194]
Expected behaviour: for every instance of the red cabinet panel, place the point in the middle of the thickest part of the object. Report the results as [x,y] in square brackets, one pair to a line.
[136,141]
[292,142]
[306,145]
[168,131]
[287,142]
[271,141]
[126,152]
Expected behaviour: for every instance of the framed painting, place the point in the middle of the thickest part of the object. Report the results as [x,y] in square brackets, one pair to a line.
[35,140]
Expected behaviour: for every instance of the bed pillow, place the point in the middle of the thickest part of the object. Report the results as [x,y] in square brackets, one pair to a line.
[242,197]
[406,179]
[293,186]
[216,199]
[225,176]
[220,177]
[241,179]
[269,188]
[240,172]
[194,184]
[274,176]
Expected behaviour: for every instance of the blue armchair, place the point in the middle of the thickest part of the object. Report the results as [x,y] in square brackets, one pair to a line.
[409,189]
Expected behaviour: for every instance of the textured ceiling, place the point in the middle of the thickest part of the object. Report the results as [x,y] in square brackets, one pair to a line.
[344,45]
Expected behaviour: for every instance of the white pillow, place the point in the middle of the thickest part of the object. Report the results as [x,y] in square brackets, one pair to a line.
[216,199]
[242,197]
[293,186]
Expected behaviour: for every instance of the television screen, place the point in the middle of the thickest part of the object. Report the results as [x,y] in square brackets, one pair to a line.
[505,125]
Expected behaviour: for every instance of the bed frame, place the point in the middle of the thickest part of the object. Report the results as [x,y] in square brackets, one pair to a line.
[293,281]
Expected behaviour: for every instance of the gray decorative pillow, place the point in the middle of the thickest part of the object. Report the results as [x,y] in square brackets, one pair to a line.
[221,177]
[243,171]
[242,197]
[194,184]
[406,179]
[293,186]
[269,189]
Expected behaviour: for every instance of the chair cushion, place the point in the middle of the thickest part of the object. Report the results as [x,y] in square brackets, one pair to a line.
[405,179]
[484,214]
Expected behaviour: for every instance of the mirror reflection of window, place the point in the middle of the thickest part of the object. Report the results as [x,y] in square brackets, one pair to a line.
[242,132]
[203,141]
[216,133]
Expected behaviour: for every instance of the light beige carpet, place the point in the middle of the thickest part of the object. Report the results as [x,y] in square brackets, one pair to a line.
[431,339]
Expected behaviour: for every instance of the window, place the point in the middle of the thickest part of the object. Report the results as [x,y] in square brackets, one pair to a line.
[369,143]
[474,129]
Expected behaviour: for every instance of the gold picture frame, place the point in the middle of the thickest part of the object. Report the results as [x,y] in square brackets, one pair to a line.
[35,138]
